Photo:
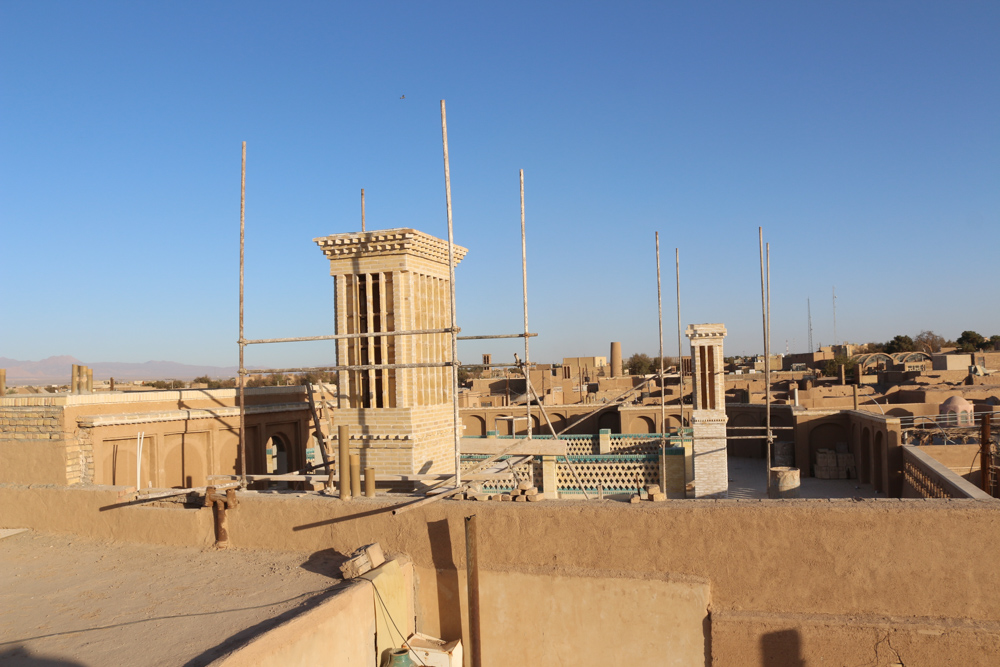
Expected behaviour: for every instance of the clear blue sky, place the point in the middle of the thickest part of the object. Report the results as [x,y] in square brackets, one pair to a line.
[864,137]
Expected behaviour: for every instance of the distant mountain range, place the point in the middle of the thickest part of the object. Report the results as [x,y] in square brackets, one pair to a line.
[56,370]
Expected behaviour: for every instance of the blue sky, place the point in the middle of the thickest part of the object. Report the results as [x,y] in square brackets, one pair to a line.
[863,137]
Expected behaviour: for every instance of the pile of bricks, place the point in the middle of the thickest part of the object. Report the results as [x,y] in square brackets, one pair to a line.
[831,464]
[525,492]
[653,493]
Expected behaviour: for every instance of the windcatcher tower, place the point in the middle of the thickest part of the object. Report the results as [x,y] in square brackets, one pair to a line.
[708,421]
[394,280]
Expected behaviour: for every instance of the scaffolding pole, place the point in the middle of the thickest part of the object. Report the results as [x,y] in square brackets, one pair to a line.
[680,346]
[451,285]
[242,342]
[663,380]
[524,283]
[764,303]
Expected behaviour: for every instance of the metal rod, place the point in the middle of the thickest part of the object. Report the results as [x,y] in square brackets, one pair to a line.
[242,342]
[663,388]
[362,209]
[520,335]
[524,283]
[555,435]
[680,346]
[361,367]
[604,406]
[758,428]
[451,287]
[767,379]
[300,339]
[767,364]
[472,583]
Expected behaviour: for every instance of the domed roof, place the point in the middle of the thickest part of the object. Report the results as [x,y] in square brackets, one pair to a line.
[956,404]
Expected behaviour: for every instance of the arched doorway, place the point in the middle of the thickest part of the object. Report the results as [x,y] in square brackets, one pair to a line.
[825,436]
[864,465]
[610,420]
[276,459]
[739,447]
[878,480]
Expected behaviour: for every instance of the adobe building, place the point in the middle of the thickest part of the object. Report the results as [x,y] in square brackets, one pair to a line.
[401,419]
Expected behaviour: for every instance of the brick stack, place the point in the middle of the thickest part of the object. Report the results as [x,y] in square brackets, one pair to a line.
[831,464]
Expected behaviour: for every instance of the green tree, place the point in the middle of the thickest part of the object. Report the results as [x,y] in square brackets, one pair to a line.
[832,366]
[970,341]
[900,344]
[640,364]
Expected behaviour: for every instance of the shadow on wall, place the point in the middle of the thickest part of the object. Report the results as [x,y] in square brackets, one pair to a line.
[781,649]
[447,574]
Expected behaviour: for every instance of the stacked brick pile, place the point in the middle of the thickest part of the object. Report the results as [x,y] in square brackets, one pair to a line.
[525,492]
[831,464]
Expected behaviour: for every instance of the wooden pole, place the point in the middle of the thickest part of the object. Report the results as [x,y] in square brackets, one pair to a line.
[369,482]
[355,475]
[472,583]
[451,285]
[320,437]
[344,461]
[242,341]
[221,526]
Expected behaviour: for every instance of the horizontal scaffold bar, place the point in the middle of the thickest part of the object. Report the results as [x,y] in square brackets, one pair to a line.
[320,477]
[519,335]
[330,369]
[300,339]
[760,428]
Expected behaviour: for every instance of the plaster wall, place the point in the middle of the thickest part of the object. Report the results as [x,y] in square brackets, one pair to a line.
[340,632]
[832,575]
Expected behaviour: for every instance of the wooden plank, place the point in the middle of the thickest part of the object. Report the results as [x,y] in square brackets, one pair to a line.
[323,478]
[523,447]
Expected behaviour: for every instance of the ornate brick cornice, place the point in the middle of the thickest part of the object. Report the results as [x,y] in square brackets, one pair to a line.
[387,242]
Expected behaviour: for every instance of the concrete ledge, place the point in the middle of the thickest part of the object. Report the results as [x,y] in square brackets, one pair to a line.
[955,485]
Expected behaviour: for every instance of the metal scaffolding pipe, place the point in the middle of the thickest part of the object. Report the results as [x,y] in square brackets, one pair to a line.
[451,303]
[300,339]
[524,283]
[242,342]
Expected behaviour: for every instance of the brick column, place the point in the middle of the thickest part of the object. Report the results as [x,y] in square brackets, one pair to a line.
[550,488]
[604,441]
[711,468]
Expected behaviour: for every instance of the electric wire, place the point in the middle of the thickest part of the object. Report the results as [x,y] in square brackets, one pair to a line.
[385,609]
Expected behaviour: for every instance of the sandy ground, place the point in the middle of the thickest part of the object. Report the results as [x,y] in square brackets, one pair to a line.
[71,601]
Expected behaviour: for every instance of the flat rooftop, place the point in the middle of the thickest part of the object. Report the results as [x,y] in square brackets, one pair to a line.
[73,601]
[747,480]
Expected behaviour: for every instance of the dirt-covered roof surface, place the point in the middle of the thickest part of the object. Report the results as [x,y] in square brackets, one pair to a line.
[65,600]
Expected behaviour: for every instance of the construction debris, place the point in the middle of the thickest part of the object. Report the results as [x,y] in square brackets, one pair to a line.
[364,559]
[831,464]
